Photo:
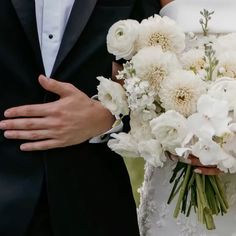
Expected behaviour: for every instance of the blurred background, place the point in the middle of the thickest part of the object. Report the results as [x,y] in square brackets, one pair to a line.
[136,173]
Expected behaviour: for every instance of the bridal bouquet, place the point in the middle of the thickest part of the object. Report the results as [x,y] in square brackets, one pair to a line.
[179,91]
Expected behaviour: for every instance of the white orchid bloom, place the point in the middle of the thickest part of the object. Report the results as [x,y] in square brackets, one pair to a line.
[209,152]
[211,119]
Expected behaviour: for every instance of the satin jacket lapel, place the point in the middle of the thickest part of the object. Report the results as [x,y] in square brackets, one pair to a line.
[25,10]
[79,17]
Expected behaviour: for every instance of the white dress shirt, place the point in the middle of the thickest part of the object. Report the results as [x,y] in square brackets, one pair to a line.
[52,17]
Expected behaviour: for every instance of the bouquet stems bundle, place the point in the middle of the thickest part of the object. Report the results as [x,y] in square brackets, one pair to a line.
[204,194]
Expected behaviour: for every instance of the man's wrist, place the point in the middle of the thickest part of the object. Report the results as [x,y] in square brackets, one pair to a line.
[115,125]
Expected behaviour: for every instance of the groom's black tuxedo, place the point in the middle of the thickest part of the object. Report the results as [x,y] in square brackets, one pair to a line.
[87,185]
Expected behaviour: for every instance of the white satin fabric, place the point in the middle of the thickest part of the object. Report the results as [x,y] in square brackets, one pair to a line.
[187,14]
[155,216]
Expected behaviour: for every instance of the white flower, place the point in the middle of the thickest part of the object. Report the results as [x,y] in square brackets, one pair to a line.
[161,31]
[199,42]
[211,119]
[121,39]
[140,129]
[224,89]
[170,129]
[227,65]
[124,145]
[140,97]
[228,165]
[112,96]
[152,152]
[180,92]
[209,152]
[193,60]
[154,65]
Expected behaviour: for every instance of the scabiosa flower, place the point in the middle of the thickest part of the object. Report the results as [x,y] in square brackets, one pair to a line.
[181,91]
[193,60]
[154,65]
[161,31]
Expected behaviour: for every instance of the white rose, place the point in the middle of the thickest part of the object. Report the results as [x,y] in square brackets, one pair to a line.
[170,129]
[112,96]
[124,145]
[152,151]
[121,39]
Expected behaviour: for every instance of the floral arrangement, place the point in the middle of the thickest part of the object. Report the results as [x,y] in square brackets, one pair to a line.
[178,90]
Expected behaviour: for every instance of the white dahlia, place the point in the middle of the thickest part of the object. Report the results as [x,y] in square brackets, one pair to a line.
[161,31]
[154,65]
[181,91]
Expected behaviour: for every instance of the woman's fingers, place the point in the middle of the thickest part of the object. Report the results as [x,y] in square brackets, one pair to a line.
[194,161]
[207,171]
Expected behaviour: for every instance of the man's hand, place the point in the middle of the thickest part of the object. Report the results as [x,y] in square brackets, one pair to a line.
[72,119]
[164,2]
[200,169]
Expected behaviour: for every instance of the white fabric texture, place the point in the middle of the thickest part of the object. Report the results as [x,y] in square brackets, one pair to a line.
[187,14]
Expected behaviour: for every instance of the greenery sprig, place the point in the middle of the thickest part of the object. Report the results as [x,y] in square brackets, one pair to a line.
[211,60]
[205,20]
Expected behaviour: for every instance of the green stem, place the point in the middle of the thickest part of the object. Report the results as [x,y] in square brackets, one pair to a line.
[182,191]
[218,194]
[221,190]
[207,214]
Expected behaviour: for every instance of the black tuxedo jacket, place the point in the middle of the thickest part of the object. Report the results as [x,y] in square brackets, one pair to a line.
[87,185]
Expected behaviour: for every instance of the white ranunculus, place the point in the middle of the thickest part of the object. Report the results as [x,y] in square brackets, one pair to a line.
[154,65]
[224,89]
[181,91]
[170,129]
[112,96]
[152,152]
[121,39]
[161,31]
[124,144]
[211,119]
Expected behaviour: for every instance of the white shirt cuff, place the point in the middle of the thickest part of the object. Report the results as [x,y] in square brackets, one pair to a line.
[105,137]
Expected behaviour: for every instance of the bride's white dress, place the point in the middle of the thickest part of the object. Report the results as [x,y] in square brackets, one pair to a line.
[155,216]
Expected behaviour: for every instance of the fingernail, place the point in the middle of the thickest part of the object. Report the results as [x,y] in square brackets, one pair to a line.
[43,77]
[198,171]
[23,148]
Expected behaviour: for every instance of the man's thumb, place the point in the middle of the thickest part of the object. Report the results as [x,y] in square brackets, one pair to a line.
[54,86]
